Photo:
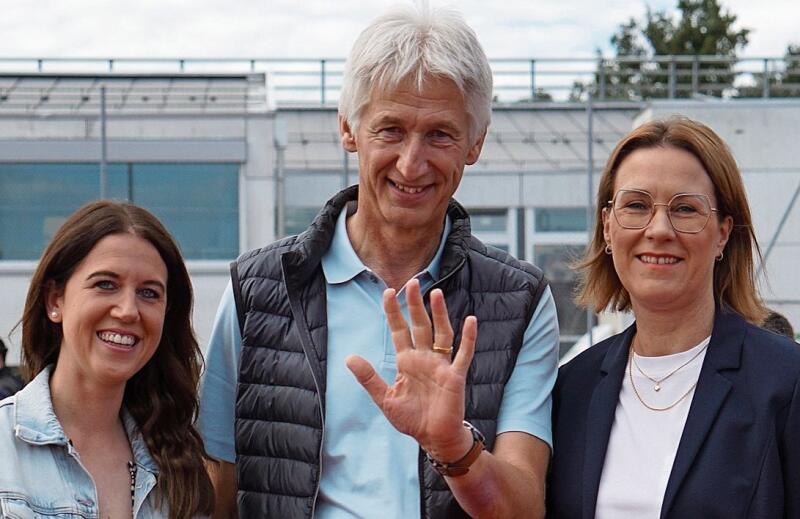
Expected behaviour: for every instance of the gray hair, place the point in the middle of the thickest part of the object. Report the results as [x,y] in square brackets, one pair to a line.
[407,43]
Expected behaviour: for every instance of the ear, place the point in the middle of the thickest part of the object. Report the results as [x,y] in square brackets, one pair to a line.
[475,151]
[347,135]
[725,228]
[606,225]
[53,301]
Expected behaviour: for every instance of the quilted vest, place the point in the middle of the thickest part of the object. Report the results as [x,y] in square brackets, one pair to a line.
[280,409]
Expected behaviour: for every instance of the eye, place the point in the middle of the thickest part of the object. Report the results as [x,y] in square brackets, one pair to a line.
[149,293]
[105,284]
[684,209]
[440,134]
[637,205]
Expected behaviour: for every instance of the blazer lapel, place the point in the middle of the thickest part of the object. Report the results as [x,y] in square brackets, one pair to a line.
[600,417]
[724,352]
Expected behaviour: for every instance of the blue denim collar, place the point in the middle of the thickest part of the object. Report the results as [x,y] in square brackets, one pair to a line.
[35,421]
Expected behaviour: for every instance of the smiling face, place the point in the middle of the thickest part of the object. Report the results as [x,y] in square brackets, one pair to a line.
[412,148]
[660,268]
[111,310]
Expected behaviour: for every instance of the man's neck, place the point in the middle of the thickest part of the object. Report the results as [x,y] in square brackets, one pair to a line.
[395,255]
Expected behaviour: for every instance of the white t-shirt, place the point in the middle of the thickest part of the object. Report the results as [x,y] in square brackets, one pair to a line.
[643,442]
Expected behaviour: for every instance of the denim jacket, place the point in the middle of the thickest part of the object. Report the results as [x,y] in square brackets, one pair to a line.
[41,475]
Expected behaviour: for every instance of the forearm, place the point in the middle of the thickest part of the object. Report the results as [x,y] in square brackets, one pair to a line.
[508,482]
[494,488]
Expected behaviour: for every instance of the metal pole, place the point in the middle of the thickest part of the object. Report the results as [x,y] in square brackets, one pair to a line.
[533,80]
[281,194]
[589,196]
[671,82]
[765,88]
[103,146]
[322,81]
[280,141]
[778,230]
[601,66]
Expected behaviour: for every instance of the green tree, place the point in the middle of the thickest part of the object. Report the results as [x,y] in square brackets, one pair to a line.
[661,46]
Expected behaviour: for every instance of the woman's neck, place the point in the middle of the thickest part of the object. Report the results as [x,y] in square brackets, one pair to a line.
[660,332]
[85,408]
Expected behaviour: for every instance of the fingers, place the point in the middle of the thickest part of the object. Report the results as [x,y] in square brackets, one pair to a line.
[367,376]
[401,337]
[443,331]
[469,333]
[420,323]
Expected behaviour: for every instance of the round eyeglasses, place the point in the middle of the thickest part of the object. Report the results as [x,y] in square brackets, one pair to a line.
[687,212]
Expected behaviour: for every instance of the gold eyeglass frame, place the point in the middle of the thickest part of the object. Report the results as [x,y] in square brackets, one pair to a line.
[653,210]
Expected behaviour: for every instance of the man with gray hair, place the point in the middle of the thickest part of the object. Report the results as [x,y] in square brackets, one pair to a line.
[295,403]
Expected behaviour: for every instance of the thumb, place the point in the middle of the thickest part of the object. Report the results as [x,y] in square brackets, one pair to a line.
[367,376]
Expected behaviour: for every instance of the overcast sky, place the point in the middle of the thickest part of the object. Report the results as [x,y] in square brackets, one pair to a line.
[327,28]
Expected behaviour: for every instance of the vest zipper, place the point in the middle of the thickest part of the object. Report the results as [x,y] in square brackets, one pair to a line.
[421,460]
[445,278]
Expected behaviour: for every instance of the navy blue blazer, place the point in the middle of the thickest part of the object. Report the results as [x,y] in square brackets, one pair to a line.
[739,454]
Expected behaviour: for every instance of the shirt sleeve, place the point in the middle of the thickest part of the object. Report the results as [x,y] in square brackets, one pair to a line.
[527,402]
[218,383]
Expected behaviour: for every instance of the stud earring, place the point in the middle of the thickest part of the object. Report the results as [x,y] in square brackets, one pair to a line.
[53,314]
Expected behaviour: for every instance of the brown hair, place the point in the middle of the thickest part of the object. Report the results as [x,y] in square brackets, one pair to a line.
[734,275]
[162,396]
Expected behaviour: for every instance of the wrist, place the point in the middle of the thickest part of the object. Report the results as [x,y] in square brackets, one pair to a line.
[460,466]
[453,449]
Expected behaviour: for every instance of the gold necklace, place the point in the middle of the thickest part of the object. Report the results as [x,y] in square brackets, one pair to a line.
[658,381]
[639,397]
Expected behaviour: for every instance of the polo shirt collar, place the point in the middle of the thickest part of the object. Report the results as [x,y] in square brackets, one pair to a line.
[341,264]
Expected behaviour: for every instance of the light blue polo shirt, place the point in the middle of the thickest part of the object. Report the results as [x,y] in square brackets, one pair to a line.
[368,467]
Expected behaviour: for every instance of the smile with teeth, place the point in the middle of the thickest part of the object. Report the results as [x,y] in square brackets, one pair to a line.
[117,338]
[407,189]
[659,260]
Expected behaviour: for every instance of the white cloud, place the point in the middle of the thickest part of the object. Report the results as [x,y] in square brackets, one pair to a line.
[325,28]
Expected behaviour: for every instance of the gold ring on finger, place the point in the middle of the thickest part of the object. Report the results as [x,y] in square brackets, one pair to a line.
[439,349]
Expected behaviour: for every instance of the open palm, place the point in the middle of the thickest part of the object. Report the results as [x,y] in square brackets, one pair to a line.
[426,400]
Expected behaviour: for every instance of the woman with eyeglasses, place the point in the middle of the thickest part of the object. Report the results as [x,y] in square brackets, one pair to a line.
[693,411]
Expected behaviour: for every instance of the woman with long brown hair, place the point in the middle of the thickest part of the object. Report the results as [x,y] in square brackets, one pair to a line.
[105,426]
[693,411]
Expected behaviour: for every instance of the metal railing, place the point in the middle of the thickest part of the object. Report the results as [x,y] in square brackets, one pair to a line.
[317,81]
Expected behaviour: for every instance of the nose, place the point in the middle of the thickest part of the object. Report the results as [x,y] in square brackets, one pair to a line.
[412,162]
[660,226]
[126,307]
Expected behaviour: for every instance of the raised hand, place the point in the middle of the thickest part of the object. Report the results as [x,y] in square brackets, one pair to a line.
[426,400]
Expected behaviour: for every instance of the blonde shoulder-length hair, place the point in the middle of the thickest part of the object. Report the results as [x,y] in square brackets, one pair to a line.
[734,276]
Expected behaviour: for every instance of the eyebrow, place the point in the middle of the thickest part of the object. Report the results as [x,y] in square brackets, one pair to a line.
[443,124]
[110,274]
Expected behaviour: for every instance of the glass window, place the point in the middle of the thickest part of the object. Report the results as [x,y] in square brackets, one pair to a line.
[299,218]
[488,220]
[35,199]
[560,219]
[555,261]
[198,203]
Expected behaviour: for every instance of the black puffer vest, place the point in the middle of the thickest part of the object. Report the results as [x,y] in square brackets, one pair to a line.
[280,409]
